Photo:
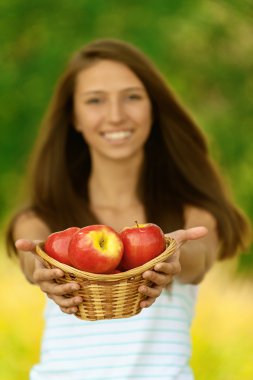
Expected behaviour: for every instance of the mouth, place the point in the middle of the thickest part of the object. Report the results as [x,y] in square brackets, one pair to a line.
[117,136]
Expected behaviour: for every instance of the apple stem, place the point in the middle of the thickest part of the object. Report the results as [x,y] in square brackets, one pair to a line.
[137,225]
[101,243]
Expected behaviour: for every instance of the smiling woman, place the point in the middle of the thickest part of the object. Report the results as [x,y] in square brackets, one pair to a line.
[117,146]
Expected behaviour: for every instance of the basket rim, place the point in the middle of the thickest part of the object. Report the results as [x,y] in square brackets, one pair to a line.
[170,249]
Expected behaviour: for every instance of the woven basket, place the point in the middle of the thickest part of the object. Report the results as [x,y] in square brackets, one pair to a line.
[107,296]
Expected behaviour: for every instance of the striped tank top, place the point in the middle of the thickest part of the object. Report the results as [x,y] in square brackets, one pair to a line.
[154,344]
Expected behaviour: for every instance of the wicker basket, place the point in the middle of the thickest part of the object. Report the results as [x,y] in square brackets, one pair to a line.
[107,296]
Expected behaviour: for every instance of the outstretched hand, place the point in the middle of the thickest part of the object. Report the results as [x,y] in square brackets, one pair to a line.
[194,233]
[46,279]
[162,274]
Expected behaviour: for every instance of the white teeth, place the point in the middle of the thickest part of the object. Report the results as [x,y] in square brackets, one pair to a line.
[118,135]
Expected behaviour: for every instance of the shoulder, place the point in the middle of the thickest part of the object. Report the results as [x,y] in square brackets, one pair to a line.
[195,216]
[28,225]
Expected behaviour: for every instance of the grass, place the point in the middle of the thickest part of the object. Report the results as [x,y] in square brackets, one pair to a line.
[222,330]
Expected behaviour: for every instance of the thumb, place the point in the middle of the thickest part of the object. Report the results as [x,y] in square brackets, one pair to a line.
[194,233]
[27,245]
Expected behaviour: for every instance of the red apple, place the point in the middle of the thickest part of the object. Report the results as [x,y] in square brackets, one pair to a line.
[57,244]
[115,271]
[96,249]
[142,243]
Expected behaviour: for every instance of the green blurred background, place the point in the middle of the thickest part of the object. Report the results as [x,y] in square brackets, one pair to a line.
[205,50]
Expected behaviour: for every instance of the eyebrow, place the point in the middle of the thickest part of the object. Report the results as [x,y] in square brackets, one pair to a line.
[93,92]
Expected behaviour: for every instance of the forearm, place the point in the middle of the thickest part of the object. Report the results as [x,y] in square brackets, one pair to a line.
[27,231]
[198,256]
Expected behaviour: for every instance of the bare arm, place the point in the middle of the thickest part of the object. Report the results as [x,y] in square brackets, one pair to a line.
[197,256]
[29,227]
[28,230]
[199,250]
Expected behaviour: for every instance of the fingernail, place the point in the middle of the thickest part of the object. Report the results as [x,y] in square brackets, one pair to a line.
[75,287]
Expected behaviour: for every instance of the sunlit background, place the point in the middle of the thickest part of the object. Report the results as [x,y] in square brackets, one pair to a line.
[205,51]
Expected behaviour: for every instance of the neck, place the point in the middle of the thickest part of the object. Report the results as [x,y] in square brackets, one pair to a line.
[113,183]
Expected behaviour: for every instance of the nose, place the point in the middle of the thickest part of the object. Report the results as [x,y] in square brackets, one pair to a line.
[115,112]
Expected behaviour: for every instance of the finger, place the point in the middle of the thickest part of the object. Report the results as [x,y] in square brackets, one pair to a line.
[27,245]
[148,302]
[157,278]
[69,310]
[193,233]
[151,292]
[67,302]
[171,267]
[44,274]
[58,290]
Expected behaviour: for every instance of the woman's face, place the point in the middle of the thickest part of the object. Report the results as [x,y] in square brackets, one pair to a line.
[112,110]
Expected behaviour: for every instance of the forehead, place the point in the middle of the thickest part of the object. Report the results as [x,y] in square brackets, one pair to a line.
[106,74]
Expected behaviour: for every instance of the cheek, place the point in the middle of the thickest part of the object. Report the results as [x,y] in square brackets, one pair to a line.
[86,121]
[144,118]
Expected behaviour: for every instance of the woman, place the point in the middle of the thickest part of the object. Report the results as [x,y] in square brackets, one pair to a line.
[117,146]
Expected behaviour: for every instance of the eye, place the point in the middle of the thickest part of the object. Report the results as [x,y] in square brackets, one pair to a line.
[134,97]
[94,100]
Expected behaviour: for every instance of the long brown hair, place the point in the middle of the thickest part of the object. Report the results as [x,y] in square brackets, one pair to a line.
[177,168]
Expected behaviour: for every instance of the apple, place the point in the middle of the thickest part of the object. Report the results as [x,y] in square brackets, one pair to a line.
[115,271]
[142,243]
[57,244]
[96,248]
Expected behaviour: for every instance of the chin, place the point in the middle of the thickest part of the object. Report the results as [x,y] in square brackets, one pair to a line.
[121,154]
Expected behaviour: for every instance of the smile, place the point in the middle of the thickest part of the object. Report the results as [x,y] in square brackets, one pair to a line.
[117,135]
